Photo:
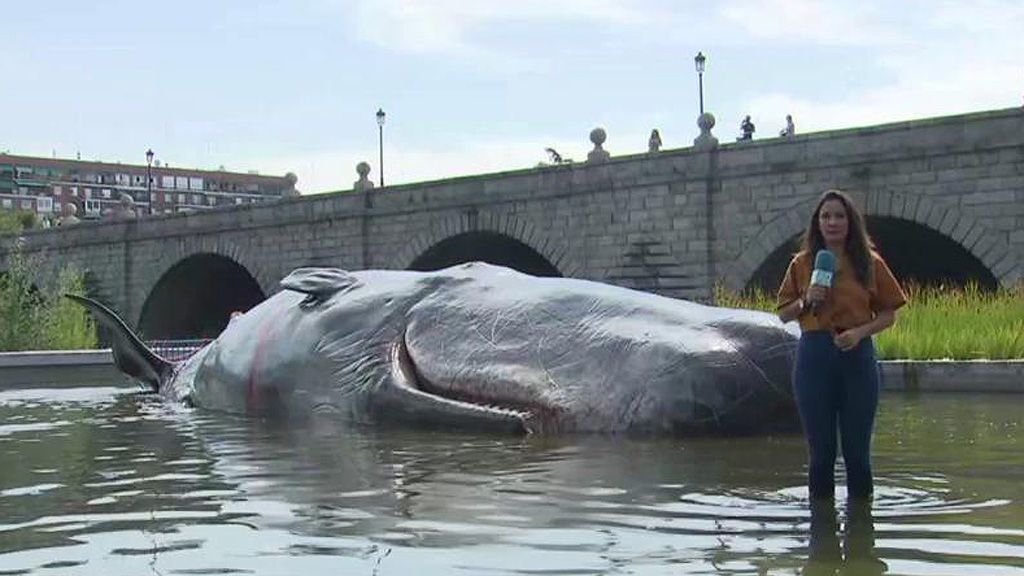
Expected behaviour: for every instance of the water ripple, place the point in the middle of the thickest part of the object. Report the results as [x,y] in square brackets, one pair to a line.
[96,482]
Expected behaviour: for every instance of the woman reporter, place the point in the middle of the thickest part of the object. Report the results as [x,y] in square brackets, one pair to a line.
[836,379]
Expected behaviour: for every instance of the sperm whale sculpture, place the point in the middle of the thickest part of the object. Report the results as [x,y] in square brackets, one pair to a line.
[482,347]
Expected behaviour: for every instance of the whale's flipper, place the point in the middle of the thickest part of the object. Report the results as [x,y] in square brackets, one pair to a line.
[130,355]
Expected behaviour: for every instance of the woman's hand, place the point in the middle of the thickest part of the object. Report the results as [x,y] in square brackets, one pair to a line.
[849,339]
[816,294]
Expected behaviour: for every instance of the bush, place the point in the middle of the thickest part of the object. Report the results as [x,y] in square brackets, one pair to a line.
[14,222]
[33,318]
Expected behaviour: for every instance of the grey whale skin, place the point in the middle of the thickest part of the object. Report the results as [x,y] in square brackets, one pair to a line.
[483,347]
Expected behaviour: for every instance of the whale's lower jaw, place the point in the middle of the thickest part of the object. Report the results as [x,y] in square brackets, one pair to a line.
[411,397]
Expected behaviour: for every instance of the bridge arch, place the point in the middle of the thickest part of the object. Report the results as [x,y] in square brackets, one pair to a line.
[484,246]
[904,226]
[195,296]
[504,240]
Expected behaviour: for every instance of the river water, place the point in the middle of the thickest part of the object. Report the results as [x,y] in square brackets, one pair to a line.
[105,481]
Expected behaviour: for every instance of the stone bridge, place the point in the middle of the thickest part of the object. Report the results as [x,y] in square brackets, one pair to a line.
[944,199]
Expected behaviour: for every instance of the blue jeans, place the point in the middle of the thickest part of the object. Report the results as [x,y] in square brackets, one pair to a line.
[837,391]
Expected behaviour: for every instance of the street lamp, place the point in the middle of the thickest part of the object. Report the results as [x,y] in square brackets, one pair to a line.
[380,141]
[149,179]
[698,61]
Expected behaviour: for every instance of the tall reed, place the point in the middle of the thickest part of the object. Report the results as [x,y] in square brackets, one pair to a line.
[959,323]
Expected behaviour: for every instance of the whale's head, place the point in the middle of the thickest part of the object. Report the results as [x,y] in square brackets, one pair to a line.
[585,356]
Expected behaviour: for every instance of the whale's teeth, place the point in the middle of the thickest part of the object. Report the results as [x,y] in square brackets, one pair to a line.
[503,411]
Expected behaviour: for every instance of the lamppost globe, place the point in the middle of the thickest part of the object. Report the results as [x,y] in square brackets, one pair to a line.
[380,116]
[698,61]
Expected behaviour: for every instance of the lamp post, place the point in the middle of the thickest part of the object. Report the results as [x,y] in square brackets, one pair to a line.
[149,179]
[380,141]
[698,62]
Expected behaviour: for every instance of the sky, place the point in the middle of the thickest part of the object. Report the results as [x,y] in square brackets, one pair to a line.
[476,86]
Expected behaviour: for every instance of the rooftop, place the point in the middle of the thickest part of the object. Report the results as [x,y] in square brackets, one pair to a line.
[87,165]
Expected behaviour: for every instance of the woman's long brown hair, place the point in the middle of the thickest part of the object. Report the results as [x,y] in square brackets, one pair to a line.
[858,242]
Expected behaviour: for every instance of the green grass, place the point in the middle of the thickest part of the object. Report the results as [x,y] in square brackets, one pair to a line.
[938,322]
[36,316]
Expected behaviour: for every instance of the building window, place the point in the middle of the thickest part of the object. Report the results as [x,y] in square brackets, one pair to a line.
[238,200]
[56,190]
[93,207]
[7,203]
[106,192]
[44,205]
[23,190]
[181,199]
[26,204]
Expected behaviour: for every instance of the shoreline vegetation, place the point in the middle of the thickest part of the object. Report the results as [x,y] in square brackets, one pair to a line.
[939,323]
[17,221]
[36,316]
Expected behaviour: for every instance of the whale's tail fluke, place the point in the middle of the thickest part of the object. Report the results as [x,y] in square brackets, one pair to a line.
[130,354]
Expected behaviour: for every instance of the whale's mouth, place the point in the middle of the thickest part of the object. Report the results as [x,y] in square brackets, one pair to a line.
[459,408]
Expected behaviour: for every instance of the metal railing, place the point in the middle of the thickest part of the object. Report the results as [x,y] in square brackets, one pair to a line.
[177,350]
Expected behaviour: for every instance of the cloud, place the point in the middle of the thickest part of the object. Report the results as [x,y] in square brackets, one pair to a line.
[1000,17]
[964,59]
[802,21]
[455,26]
[954,93]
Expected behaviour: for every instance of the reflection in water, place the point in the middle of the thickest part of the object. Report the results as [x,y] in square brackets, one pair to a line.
[858,549]
[101,482]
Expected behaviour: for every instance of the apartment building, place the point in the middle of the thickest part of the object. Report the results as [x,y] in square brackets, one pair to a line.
[44,185]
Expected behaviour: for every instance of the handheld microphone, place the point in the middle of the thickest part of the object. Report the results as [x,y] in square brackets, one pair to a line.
[824,273]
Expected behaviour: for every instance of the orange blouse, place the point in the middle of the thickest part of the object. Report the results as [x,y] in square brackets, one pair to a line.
[848,303]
